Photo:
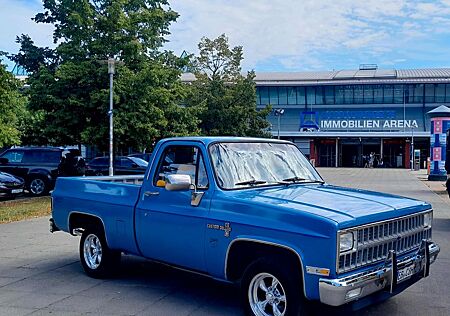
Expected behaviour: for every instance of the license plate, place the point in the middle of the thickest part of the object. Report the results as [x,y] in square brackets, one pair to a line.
[405,273]
[15,191]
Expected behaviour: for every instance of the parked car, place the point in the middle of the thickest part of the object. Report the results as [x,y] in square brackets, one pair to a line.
[143,156]
[122,166]
[10,186]
[38,166]
[252,212]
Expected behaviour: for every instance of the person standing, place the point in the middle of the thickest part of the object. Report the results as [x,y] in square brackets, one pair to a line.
[371,159]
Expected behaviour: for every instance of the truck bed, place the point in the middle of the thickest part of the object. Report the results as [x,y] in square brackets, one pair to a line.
[111,199]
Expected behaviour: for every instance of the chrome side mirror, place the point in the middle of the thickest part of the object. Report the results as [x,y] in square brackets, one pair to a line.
[178,182]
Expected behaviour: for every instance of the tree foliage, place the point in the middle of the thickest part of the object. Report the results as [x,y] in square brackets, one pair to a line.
[226,97]
[69,91]
[12,108]
[30,56]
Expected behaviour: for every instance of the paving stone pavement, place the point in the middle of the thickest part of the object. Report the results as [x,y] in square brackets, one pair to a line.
[40,273]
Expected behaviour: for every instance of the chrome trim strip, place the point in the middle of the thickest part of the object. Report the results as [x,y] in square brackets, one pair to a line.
[115,178]
[266,243]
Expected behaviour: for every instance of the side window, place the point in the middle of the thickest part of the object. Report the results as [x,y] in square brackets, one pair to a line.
[42,156]
[14,156]
[126,163]
[202,177]
[182,160]
[99,161]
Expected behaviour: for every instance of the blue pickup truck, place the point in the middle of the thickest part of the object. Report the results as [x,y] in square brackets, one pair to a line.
[252,212]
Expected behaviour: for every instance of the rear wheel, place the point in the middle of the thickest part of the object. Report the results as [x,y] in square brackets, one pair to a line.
[269,289]
[97,259]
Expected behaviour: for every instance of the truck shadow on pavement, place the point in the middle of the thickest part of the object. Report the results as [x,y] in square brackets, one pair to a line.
[181,287]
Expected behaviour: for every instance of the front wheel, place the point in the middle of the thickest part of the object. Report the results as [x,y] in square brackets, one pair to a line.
[269,289]
[38,186]
[97,259]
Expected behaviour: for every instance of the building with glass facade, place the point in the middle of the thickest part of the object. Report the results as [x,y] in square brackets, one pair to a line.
[341,118]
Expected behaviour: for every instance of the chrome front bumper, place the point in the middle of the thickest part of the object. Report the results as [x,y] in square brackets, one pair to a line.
[336,292]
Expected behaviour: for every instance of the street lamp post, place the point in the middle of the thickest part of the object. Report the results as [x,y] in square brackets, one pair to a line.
[279,113]
[111,71]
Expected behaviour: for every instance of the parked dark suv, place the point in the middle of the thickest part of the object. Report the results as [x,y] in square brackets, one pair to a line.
[38,166]
[122,166]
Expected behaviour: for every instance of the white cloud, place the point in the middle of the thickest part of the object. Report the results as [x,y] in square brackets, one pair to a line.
[15,19]
[302,31]
[289,34]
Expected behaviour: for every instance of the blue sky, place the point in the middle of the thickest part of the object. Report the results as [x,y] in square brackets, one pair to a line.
[289,35]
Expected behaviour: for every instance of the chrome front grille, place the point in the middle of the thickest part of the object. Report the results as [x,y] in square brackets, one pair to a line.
[373,242]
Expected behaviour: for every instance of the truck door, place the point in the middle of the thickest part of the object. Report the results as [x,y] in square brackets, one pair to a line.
[168,227]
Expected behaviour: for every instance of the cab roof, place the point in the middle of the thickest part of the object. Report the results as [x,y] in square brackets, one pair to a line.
[207,140]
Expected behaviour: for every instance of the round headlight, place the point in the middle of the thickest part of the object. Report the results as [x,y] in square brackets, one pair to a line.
[346,242]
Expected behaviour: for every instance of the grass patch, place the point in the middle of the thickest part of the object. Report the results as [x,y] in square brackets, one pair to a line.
[11,211]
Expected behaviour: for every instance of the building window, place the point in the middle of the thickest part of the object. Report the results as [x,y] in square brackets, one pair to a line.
[339,94]
[398,93]
[418,93]
[292,95]
[368,94]
[258,97]
[273,95]
[359,94]
[409,93]
[282,95]
[264,94]
[378,93]
[388,95]
[348,94]
[440,92]
[301,98]
[310,95]
[320,97]
[429,93]
[329,94]
[447,93]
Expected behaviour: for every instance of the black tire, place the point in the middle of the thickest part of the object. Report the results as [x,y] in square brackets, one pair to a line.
[38,186]
[106,262]
[288,286]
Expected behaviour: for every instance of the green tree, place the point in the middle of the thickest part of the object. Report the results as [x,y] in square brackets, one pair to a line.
[30,56]
[227,98]
[70,86]
[12,108]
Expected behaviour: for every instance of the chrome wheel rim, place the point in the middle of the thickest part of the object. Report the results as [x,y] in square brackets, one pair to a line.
[266,295]
[37,186]
[92,251]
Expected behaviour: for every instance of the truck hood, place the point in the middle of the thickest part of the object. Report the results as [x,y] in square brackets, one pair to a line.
[347,207]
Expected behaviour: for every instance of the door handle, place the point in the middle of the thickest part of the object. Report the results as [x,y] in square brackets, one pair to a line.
[150,193]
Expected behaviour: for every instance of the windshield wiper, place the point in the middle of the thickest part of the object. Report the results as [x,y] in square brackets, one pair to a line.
[251,182]
[298,179]
[294,179]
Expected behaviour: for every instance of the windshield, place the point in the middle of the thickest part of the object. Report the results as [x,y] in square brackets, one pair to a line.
[240,165]
[140,162]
